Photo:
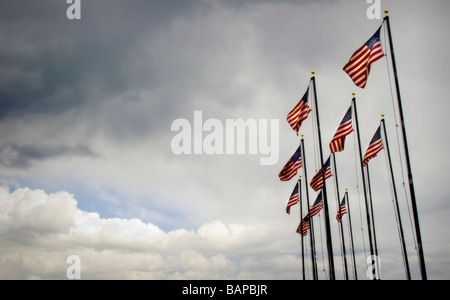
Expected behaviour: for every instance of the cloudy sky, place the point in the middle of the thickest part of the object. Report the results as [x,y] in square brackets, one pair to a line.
[86,111]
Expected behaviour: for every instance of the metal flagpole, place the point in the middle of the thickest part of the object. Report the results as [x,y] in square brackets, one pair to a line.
[373,220]
[312,238]
[325,200]
[339,209]
[299,183]
[351,233]
[369,226]
[369,190]
[408,163]
[402,237]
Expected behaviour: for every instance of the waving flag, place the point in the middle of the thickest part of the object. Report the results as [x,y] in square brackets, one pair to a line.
[375,146]
[344,129]
[358,68]
[317,206]
[304,226]
[342,211]
[291,167]
[317,181]
[299,113]
[294,199]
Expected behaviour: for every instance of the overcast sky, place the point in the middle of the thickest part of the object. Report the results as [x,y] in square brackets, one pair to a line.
[86,111]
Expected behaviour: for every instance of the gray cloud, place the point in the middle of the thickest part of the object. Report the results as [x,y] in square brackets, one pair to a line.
[39,225]
[105,90]
[22,156]
[51,65]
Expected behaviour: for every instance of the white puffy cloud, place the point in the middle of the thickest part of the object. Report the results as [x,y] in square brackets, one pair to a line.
[39,231]
[92,224]
[25,210]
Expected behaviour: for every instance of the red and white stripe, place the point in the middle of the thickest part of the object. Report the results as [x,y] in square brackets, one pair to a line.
[290,170]
[291,202]
[317,181]
[340,213]
[372,151]
[358,68]
[315,209]
[338,140]
[297,115]
[303,227]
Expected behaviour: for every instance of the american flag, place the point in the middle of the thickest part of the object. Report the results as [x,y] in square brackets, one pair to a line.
[342,211]
[317,181]
[290,169]
[344,129]
[299,113]
[358,68]
[317,206]
[304,226]
[294,199]
[375,146]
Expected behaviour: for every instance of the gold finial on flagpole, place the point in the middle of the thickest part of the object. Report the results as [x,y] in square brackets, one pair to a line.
[353,93]
[386,11]
[382,115]
[301,135]
[313,72]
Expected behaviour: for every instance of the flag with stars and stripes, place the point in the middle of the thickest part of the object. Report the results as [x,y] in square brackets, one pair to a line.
[375,146]
[358,67]
[290,168]
[317,181]
[341,211]
[299,113]
[294,199]
[304,226]
[317,206]
[344,129]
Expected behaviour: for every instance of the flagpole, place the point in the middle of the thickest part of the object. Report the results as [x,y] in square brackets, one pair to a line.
[339,209]
[373,221]
[312,238]
[299,183]
[408,163]
[351,233]
[402,237]
[368,219]
[325,200]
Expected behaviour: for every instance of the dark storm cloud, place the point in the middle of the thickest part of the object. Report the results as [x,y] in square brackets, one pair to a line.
[50,64]
[109,72]
[22,156]
[127,69]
